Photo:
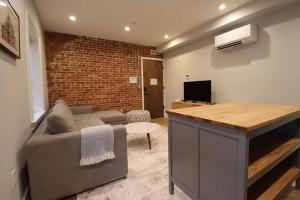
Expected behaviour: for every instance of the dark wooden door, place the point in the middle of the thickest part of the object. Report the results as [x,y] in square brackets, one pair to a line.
[153,87]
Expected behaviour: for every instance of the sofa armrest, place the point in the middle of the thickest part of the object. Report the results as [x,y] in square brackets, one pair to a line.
[81,109]
[53,163]
[64,144]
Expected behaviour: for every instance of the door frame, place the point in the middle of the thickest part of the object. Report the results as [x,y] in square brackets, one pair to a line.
[142,78]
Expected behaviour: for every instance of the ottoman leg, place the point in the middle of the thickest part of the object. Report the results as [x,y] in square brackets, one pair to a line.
[149,141]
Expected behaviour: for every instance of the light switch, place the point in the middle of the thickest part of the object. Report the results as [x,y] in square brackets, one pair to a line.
[133,79]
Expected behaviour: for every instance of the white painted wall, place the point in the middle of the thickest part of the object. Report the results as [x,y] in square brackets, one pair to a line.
[15,111]
[266,72]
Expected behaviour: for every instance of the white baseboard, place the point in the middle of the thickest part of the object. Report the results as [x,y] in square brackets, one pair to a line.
[166,114]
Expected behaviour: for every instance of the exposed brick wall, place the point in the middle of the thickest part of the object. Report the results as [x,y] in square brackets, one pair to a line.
[91,71]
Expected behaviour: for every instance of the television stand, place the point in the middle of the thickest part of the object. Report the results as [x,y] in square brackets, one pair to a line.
[187,104]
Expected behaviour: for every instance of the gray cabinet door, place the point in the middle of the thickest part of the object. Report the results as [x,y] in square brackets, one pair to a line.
[218,177]
[185,145]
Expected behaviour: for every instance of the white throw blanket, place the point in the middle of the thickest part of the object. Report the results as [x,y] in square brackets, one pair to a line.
[97,144]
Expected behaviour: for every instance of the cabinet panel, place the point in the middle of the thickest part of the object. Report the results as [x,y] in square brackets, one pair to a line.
[185,141]
[218,166]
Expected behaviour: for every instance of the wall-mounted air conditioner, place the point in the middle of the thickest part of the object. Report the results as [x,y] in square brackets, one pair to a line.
[237,37]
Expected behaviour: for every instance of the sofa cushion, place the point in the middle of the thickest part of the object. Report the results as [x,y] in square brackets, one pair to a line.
[60,101]
[60,119]
[84,116]
[112,117]
[88,122]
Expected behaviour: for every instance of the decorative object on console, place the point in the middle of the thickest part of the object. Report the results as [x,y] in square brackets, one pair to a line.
[10,29]
[179,100]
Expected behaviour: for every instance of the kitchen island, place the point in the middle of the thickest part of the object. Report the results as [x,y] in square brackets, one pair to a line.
[234,151]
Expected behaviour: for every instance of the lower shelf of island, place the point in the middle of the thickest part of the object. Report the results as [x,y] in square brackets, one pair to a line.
[274,185]
[260,167]
[272,174]
[281,185]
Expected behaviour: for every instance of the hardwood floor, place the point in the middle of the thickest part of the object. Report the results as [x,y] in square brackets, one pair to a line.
[161,121]
[292,195]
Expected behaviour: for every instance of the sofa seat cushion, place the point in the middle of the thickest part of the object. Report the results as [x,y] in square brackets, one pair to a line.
[60,119]
[84,116]
[87,120]
[112,117]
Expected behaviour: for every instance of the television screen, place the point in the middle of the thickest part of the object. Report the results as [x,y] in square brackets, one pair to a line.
[197,91]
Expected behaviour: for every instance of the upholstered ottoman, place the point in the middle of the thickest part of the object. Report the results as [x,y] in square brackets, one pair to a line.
[138,116]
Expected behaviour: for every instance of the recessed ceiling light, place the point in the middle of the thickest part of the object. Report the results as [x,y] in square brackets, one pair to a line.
[222,6]
[127,28]
[3,4]
[166,36]
[72,18]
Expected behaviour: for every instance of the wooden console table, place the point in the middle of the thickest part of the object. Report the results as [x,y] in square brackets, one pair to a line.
[234,151]
[186,104]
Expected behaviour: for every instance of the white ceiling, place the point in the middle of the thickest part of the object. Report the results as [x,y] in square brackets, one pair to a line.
[154,18]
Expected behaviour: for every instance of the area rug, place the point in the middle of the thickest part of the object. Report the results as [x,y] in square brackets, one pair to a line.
[147,173]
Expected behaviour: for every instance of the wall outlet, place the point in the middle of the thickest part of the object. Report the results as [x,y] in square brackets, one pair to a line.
[14,178]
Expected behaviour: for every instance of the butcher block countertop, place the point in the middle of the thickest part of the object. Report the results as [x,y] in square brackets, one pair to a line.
[242,116]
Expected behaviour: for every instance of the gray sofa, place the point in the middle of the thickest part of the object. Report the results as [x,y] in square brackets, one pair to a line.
[53,159]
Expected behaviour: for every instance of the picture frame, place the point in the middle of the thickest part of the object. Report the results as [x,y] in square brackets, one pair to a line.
[9,30]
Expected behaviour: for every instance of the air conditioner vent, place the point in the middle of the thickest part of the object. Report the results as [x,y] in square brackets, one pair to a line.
[241,36]
[230,45]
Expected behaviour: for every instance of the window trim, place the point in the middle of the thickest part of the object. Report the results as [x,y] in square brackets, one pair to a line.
[32,31]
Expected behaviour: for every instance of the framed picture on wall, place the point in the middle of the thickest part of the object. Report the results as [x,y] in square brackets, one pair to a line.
[9,29]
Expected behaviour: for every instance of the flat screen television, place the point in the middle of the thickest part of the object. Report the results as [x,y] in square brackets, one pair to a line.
[197,91]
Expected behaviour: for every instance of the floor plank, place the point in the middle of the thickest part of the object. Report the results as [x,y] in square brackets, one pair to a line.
[162,121]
